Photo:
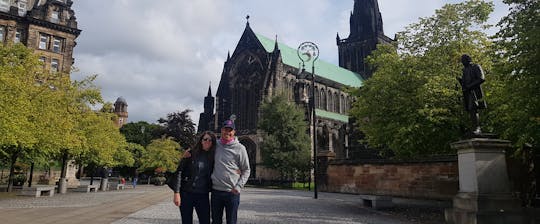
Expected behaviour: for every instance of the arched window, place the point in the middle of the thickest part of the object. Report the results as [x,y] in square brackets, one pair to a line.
[324,101]
[337,105]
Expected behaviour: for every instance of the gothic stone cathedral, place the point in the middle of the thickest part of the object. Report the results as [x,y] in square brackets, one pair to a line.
[260,67]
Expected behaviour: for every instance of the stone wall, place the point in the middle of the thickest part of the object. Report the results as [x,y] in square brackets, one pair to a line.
[421,179]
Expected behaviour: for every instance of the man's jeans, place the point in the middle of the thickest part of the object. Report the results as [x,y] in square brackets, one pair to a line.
[200,202]
[227,200]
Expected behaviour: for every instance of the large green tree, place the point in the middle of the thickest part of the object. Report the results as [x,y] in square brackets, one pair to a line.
[286,144]
[141,132]
[163,154]
[180,127]
[32,124]
[517,116]
[412,103]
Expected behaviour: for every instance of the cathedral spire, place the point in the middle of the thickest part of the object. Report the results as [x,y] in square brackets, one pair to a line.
[228,55]
[247,20]
[276,44]
[366,20]
[209,89]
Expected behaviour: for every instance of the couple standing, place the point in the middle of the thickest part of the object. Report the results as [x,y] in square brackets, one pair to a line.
[220,166]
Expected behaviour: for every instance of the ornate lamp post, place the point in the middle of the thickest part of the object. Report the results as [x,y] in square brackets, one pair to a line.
[309,52]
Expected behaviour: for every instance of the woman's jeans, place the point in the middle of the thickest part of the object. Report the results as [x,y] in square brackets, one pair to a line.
[200,202]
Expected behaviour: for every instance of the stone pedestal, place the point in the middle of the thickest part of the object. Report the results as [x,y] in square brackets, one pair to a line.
[103,185]
[484,188]
[62,185]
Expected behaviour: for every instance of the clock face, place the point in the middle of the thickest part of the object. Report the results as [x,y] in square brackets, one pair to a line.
[308,51]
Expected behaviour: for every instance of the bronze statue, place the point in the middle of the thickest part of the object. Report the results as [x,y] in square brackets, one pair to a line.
[471,81]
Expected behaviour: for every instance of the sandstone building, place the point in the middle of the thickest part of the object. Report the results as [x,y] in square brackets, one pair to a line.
[47,26]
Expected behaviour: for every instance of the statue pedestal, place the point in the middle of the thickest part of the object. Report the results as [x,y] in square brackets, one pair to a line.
[484,189]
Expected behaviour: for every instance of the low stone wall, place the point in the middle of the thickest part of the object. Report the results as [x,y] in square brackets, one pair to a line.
[417,179]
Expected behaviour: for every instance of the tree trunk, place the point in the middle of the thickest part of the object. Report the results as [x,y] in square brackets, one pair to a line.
[12,171]
[64,165]
[31,175]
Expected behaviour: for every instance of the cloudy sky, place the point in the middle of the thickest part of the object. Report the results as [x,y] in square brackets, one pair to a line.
[161,55]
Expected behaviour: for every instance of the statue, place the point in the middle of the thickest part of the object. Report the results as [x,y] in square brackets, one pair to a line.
[471,81]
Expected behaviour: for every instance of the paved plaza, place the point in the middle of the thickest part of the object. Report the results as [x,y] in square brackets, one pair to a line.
[151,204]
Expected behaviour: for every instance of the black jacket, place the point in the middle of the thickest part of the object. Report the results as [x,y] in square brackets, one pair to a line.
[186,173]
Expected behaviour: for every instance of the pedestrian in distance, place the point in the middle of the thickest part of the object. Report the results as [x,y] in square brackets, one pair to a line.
[193,180]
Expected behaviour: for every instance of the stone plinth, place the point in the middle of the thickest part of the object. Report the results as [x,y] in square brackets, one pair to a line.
[484,188]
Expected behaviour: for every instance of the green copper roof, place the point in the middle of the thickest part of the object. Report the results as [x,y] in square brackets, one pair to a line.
[331,115]
[322,68]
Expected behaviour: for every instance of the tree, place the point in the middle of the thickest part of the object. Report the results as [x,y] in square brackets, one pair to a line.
[32,124]
[411,104]
[180,126]
[517,116]
[286,144]
[141,132]
[103,145]
[516,98]
[161,153]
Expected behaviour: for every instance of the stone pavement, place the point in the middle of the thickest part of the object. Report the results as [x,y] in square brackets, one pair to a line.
[265,206]
[151,204]
[95,208]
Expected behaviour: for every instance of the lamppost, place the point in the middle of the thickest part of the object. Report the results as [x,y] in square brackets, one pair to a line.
[309,52]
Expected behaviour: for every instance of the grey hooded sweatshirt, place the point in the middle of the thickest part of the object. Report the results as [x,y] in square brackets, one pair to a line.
[229,158]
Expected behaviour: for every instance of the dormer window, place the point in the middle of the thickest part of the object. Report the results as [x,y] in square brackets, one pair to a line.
[4,5]
[55,16]
[22,7]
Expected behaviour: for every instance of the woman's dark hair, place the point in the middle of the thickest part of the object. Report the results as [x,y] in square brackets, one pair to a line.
[197,148]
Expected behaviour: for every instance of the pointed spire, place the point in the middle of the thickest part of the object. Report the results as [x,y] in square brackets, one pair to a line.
[228,55]
[247,20]
[366,20]
[210,89]
[276,44]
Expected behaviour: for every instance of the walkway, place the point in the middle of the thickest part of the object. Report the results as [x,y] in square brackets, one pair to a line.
[151,204]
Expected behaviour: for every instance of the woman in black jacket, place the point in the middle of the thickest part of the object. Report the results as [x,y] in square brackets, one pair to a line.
[193,182]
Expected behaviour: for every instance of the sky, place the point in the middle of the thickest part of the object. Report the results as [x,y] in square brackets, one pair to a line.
[162,55]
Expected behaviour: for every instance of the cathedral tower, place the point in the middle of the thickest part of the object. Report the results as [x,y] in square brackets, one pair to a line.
[206,118]
[366,31]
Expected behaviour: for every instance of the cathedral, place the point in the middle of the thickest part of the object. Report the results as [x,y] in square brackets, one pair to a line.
[260,67]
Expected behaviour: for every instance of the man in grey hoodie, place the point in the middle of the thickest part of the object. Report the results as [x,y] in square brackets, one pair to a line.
[231,172]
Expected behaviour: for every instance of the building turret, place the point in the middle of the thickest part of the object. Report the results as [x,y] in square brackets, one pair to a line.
[120,109]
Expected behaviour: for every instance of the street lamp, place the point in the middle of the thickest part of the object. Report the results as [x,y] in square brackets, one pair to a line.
[309,52]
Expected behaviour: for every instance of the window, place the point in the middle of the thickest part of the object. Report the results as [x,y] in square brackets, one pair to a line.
[4,5]
[43,60]
[57,44]
[43,41]
[54,16]
[22,7]
[2,34]
[54,65]
[19,36]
